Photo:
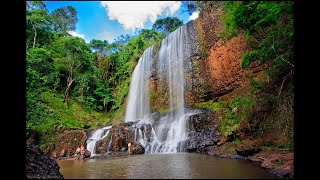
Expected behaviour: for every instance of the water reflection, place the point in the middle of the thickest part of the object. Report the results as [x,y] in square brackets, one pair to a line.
[161,166]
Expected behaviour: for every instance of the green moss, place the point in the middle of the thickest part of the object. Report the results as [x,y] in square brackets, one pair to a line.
[231,149]
[208,105]
[236,141]
[230,120]
[164,111]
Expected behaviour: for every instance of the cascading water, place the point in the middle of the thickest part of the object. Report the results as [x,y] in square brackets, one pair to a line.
[138,103]
[166,136]
[97,135]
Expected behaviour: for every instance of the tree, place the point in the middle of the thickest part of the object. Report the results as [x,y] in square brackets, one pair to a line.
[98,45]
[34,5]
[65,19]
[167,25]
[37,17]
[73,58]
[192,6]
[102,50]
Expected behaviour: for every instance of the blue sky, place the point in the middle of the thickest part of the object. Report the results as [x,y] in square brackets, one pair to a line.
[108,20]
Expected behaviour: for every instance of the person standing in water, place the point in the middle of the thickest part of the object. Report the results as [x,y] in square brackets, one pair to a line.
[129,146]
[77,151]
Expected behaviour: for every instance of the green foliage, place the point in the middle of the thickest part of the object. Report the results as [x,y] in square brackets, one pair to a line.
[192,6]
[167,25]
[268,25]
[72,84]
[213,106]
[229,118]
[238,109]
[65,19]
[256,84]
[247,57]
[236,141]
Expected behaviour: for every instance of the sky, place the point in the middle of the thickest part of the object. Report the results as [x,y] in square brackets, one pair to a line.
[106,20]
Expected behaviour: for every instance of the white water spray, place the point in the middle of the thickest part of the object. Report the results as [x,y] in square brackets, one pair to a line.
[97,135]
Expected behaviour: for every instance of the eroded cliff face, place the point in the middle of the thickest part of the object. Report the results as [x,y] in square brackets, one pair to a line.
[211,65]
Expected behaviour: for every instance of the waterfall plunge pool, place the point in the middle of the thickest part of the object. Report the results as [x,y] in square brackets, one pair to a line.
[162,166]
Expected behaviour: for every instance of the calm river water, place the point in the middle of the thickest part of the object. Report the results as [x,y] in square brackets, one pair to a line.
[158,166]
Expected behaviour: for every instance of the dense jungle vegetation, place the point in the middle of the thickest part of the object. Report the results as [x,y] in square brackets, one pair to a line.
[72,84]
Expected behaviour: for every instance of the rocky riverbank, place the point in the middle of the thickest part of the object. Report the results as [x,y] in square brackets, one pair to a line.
[39,165]
[279,162]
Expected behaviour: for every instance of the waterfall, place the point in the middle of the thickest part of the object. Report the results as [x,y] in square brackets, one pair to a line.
[166,136]
[138,100]
[97,135]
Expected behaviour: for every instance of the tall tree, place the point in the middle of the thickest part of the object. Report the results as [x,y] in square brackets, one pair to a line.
[102,50]
[73,57]
[167,25]
[37,17]
[65,19]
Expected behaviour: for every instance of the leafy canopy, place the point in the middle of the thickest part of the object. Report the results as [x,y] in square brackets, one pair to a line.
[167,25]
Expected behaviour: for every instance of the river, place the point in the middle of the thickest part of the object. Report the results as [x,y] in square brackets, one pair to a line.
[162,166]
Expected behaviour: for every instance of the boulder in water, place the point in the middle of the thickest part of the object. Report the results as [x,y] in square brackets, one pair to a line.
[137,149]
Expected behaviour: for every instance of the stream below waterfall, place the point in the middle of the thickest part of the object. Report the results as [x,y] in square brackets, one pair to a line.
[162,166]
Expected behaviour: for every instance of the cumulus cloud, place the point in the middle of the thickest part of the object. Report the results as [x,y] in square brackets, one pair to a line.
[73,33]
[194,15]
[105,35]
[133,14]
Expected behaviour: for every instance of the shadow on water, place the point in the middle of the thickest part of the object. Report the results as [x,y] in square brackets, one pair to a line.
[162,166]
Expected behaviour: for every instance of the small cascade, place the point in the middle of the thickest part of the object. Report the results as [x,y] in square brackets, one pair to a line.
[97,135]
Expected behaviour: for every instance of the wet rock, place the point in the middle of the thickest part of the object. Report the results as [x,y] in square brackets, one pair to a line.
[120,135]
[32,137]
[201,141]
[39,165]
[203,137]
[67,142]
[137,149]
[201,121]
[87,154]
[247,149]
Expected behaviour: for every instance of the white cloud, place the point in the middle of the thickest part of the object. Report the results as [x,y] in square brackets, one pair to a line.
[105,35]
[194,15]
[133,14]
[73,33]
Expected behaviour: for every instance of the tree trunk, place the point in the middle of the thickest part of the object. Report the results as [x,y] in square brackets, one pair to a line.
[34,38]
[66,94]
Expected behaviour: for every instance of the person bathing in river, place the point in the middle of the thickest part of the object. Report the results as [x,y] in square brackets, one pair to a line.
[84,153]
[129,148]
[77,151]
